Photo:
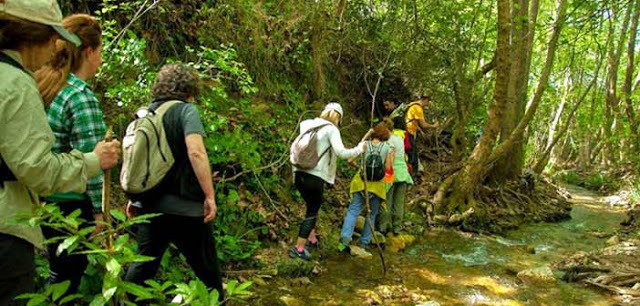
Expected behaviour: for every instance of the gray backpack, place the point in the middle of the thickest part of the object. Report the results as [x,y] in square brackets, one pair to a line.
[146,154]
[304,153]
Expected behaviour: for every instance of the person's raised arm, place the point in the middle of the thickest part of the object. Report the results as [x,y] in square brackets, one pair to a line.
[338,147]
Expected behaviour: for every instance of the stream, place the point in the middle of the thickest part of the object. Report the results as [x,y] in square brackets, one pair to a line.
[446,267]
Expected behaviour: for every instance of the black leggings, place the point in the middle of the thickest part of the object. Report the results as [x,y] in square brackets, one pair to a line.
[311,188]
[64,266]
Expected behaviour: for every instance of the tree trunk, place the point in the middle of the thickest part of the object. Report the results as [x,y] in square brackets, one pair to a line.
[516,135]
[544,159]
[627,88]
[611,111]
[523,32]
[471,174]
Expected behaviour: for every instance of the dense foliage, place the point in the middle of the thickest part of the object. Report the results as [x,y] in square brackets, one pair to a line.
[268,64]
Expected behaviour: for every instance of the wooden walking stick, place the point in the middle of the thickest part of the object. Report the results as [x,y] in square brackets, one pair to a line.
[106,195]
[368,215]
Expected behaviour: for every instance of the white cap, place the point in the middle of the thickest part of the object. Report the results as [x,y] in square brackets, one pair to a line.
[334,106]
[45,12]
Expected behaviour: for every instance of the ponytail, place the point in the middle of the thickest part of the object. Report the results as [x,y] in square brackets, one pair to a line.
[68,58]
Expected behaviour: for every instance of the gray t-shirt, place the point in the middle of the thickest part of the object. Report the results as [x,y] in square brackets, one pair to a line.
[181,192]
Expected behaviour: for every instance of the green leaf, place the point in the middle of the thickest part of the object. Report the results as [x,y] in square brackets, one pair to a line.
[141,292]
[69,298]
[38,300]
[98,301]
[242,289]
[66,244]
[114,267]
[28,296]
[213,298]
[59,289]
[108,294]
[118,215]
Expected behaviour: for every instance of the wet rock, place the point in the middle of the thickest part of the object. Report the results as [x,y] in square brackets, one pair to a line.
[397,243]
[537,275]
[301,281]
[288,300]
[258,281]
[384,292]
[613,240]
[370,297]
[636,286]
[360,252]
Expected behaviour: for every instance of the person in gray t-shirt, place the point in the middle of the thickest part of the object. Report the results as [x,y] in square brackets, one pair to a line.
[185,197]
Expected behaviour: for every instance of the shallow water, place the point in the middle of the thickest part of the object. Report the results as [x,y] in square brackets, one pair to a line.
[453,268]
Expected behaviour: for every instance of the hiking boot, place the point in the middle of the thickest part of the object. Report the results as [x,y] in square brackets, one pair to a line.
[304,255]
[343,247]
[310,245]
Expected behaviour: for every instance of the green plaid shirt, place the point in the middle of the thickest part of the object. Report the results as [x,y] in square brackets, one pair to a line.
[77,122]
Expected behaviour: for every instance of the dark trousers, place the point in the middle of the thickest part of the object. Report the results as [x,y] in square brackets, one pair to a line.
[193,238]
[18,268]
[311,188]
[413,154]
[64,266]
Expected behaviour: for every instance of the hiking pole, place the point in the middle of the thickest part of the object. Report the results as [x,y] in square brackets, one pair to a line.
[368,214]
[106,195]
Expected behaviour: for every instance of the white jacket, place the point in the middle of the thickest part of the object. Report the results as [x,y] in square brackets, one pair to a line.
[328,136]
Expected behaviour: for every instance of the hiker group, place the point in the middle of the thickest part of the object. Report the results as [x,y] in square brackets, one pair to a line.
[52,151]
[388,167]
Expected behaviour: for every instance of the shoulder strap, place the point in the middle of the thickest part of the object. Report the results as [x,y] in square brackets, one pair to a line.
[4,58]
[317,128]
[165,106]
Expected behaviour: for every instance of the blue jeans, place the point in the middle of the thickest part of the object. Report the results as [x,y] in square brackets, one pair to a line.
[355,207]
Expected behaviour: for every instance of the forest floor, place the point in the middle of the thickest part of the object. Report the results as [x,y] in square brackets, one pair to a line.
[445,266]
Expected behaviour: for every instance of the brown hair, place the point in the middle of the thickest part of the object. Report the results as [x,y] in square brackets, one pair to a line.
[176,81]
[389,123]
[17,33]
[381,132]
[52,77]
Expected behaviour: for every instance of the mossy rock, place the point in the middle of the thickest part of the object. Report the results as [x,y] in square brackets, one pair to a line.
[295,268]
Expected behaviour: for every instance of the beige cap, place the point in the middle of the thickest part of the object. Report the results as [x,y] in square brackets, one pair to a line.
[39,11]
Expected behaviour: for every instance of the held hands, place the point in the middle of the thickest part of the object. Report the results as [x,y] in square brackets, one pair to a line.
[364,146]
[108,153]
[210,209]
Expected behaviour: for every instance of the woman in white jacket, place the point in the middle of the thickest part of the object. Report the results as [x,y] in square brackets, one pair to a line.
[310,183]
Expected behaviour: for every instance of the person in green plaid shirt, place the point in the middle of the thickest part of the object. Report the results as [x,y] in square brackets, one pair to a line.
[77,122]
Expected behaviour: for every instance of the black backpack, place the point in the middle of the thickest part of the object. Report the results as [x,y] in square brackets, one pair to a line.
[374,164]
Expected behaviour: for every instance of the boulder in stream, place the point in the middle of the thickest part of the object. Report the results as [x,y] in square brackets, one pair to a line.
[613,240]
[398,243]
[288,300]
[537,275]
[370,297]
[360,252]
